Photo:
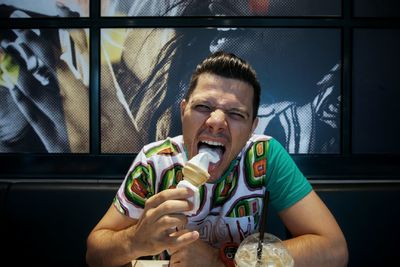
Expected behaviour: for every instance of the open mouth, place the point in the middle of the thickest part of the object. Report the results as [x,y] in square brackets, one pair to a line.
[217,148]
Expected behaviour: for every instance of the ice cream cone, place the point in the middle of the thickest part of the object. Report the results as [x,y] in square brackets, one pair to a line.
[195,175]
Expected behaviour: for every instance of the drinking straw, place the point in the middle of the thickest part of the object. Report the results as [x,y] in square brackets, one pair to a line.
[262,226]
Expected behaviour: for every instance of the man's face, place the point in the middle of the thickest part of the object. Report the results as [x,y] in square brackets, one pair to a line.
[218,114]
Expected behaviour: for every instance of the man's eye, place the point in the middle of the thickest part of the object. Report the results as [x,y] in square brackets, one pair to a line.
[202,108]
[237,116]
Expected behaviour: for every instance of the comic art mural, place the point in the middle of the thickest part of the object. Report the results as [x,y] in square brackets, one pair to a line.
[44,83]
[145,73]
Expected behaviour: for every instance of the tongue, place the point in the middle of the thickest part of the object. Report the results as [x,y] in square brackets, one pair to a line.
[207,155]
[214,152]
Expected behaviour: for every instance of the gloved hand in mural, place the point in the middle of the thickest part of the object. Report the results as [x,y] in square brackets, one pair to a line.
[307,128]
[42,86]
[32,87]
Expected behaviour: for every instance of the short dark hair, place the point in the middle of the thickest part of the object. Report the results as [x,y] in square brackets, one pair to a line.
[227,65]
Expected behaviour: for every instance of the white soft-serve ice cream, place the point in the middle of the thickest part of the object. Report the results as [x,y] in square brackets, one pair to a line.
[195,174]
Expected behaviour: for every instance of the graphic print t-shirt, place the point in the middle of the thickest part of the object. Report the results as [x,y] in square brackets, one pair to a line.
[230,207]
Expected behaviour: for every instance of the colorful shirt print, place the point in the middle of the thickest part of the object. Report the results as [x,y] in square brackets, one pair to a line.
[230,207]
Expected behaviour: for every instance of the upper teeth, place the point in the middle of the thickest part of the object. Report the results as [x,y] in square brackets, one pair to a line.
[213,143]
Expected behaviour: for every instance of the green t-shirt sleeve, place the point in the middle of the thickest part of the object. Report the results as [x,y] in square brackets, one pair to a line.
[286,183]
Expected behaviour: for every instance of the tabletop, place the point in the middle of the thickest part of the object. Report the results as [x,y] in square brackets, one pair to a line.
[150,263]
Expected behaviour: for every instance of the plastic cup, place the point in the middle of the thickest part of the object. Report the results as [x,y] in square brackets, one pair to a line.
[274,253]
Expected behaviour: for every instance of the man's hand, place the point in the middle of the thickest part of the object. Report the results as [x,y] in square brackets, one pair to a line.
[162,223]
[196,254]
[117,239]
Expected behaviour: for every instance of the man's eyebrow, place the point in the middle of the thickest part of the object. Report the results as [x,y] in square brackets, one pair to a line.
[197,100]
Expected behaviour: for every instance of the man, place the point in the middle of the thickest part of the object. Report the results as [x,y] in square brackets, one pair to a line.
[219,111]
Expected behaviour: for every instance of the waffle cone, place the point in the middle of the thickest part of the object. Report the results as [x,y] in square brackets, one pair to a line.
[195,175]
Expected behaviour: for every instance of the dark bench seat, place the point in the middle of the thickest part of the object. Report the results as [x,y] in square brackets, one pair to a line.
[46,223]
[369,215]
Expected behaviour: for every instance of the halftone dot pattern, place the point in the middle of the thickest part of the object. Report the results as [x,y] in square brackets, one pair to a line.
[45,8]
[146,74]
[376,94]
[49,98]
[234,8]
[133,87]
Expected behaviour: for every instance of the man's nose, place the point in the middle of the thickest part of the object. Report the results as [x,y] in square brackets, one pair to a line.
[217,121]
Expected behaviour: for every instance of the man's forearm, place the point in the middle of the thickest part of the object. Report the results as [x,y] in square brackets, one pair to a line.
[313,250]
[109,248]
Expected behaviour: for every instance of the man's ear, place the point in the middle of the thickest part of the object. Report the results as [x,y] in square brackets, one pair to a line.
[183,106]
[254,126]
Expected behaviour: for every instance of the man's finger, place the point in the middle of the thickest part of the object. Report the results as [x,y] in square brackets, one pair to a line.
[169,194]
[171,223]
[169,207]
[180,239]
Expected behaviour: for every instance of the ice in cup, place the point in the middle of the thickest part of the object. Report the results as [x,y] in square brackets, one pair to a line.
[274,253]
